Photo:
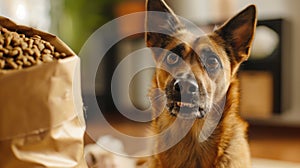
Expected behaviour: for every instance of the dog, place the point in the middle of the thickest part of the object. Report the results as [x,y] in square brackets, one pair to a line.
[194,93]
[198,77]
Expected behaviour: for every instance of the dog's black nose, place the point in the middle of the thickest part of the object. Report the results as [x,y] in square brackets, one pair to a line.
[186,86]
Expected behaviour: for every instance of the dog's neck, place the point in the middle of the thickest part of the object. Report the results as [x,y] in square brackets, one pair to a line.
[191,149]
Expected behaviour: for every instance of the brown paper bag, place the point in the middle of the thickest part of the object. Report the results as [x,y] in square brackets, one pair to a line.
[41,117]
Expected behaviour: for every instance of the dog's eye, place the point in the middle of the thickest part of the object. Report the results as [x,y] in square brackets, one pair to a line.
[212,63]
[172,59]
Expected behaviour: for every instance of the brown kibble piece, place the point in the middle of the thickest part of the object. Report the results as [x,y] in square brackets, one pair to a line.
[30,43]
[22,36]
[29,51]
[1,40]
[4,51]
[13,53]
[4,30]
[41,46]
[49,46]
[63,55]
[36,37]
[47,58]
[56,54]
[19,62]
[31,59]
[24,45]
[47,51]
[2,64]
[7,40]
[10,62]
[36,51]
[27,64]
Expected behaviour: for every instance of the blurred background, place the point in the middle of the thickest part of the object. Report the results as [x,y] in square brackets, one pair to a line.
[270,81]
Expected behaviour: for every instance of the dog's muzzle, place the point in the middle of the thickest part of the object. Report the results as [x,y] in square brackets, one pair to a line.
[183,99]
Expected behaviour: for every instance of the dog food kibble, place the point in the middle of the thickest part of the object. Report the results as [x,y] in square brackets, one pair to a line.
[18,51]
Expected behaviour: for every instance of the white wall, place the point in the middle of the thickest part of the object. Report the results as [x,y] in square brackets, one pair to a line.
[24,12]
[204,11]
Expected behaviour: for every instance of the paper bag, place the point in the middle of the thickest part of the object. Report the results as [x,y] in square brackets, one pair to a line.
[41,117]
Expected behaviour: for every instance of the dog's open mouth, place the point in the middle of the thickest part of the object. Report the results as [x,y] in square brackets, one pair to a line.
[186,110]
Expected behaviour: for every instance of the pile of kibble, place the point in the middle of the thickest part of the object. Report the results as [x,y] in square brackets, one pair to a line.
[18,51]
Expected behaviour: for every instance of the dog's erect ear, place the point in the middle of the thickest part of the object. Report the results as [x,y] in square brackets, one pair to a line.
[239,32]
[161,23]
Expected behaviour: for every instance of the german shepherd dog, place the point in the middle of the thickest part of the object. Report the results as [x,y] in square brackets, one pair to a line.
[197,74]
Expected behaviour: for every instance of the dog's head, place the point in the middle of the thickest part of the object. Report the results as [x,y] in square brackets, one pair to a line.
[196,71]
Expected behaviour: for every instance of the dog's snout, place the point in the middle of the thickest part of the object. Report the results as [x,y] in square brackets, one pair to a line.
[186,86]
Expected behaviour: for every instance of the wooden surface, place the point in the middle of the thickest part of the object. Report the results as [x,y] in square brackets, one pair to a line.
[279,143]
[269,142]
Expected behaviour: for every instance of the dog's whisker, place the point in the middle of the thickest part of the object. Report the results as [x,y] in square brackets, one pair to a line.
[157,97]
[217,108]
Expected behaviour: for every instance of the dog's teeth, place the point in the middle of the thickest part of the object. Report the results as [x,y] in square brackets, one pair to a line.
[190,105]
[182,104]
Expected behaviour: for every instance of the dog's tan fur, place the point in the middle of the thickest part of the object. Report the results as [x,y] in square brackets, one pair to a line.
[227,147]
